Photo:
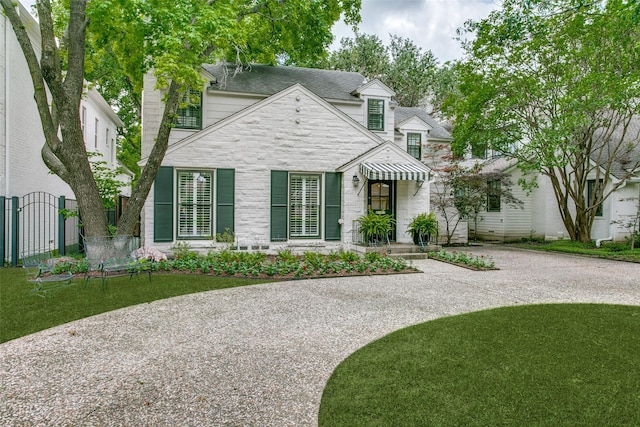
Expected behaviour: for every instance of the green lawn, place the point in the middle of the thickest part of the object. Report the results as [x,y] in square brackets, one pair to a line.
[22,313]
[610,250]
[542,365]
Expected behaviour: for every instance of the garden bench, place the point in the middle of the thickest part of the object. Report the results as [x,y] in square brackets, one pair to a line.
[113,256]
[39,270]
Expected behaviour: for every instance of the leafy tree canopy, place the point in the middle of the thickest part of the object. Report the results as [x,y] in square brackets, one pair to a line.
[550,82]
[413,74]
[116,42]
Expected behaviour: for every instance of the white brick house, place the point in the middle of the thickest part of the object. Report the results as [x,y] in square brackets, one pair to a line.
[22,169]
[282,157]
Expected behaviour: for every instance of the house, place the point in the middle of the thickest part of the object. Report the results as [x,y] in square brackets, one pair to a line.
[24,177]
[22,170]
[284,157]
[540,216]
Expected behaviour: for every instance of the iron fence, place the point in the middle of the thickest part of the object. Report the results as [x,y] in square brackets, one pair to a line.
[35,223]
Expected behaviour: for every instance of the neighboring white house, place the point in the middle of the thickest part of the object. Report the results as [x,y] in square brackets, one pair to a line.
[22,169]
[284,157]
[540,216]
[30,192]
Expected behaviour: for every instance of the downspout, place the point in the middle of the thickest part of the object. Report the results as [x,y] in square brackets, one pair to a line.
[7,175]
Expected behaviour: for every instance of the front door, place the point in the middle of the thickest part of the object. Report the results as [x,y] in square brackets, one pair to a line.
[381,200]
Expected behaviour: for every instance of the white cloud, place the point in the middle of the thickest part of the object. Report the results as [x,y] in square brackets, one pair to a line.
[430,24]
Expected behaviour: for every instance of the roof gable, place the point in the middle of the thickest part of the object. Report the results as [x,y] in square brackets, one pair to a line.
[414,123]
[374,87]
[402,114]
[388,152]
[266,104]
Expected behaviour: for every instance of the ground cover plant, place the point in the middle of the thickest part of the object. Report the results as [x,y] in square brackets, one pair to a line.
[611,250]
[464,259]
[559,364]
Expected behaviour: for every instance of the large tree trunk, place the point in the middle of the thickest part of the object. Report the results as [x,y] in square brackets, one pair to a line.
[131,213]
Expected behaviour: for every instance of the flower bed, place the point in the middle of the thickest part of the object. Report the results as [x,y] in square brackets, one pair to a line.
[464,259]
[285,265]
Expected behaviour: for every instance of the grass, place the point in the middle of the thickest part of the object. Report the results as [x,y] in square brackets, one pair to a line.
[543,365]
[22,313]
[609,250]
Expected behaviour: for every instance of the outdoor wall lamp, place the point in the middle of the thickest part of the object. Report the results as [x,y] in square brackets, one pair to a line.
[419,182]
[356,180]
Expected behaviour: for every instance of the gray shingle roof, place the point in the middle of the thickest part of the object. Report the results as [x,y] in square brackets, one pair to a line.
[628,157]
[268,80]
[404,113]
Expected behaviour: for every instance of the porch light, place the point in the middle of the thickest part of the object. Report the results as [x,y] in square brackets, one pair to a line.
[419,182]
[356,180]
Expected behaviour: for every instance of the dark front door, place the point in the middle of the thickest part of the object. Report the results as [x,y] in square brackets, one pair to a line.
[381,200]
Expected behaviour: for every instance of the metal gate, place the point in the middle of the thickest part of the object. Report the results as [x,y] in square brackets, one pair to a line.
[36,223]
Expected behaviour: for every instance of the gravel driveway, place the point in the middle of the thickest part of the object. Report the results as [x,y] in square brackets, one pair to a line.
[261,355]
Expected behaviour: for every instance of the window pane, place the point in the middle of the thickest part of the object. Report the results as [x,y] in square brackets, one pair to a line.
[304,210]
[414,145]
[190,115]
[493,196]
[195,204]
[375,116]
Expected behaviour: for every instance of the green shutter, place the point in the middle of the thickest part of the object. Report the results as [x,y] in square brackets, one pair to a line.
[163,205]
[279,200]
[332,205]
[225,196]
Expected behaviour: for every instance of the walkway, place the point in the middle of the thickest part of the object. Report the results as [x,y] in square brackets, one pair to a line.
[261,355]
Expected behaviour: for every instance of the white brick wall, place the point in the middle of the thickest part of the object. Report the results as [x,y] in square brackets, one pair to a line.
[291,131]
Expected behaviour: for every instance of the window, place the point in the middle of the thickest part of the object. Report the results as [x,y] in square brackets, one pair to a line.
[493,196]
[414,145]
[375,116]
[95,134]
[591,189]
[195,208]
[83,121]
[304,206]
[189,113]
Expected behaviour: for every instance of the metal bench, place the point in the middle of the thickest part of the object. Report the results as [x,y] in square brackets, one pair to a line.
[113,256]
[39,270]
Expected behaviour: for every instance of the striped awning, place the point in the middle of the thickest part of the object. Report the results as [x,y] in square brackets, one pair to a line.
[394,172]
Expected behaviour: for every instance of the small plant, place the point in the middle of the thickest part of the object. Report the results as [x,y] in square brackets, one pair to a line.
[375,227]
[422,227]
[182,250]
[285,255]
[227,236]
[348,256]
[372,257]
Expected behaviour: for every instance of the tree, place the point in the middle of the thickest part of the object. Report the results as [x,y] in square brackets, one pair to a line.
[173,38]
[553,83]
[411,72]
[460,192]
[402,66]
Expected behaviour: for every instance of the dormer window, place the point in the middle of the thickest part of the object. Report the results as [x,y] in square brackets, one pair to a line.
[375,114]
[414,145]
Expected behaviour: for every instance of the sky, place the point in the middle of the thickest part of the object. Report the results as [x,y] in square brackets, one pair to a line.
[430,24]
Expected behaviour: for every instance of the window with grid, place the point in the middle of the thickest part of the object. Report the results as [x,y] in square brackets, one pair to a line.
[304,206]
[375,115]
[189,113]
[95,135]
[83,121]
[195,204]
[493,196]
[591,189]
[414,145]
